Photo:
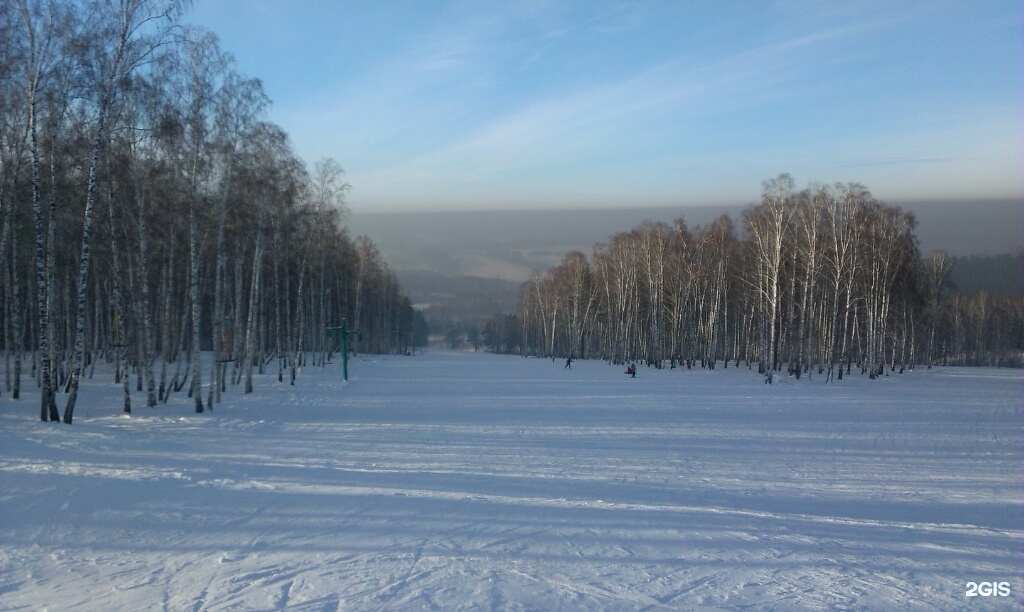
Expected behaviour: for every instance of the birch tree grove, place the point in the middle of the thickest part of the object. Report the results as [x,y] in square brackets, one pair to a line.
[818,281]
[163,223]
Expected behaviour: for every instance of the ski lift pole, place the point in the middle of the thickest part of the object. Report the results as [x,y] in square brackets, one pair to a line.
[343,333]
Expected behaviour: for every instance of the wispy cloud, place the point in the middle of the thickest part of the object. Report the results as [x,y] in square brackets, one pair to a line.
[624,100]
[896,161]
[573,129]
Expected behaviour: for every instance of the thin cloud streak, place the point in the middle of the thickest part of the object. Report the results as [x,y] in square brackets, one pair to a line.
[466,105]
[590,123]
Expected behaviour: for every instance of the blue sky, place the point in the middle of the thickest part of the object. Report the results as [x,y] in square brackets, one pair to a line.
[432,105]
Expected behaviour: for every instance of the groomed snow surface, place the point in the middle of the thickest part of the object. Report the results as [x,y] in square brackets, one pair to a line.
[453,481]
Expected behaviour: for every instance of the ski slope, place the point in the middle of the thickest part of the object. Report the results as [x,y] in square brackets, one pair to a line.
[451,481]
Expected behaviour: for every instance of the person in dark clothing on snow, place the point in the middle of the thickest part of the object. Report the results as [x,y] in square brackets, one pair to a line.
[568,362]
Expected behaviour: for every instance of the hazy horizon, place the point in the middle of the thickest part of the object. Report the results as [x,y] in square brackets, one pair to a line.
[510,244]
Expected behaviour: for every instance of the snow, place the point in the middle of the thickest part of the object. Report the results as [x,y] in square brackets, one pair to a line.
[473,481]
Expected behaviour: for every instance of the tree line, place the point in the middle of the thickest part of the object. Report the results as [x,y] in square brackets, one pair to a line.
[823,279]
[149,211]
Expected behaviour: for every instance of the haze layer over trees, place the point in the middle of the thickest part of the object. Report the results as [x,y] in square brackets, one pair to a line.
[824,279]
[149,211]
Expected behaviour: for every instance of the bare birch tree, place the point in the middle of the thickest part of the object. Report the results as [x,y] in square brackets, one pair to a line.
[769,225]
[123,48]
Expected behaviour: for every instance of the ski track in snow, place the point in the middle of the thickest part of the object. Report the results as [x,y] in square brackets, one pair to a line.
[472,481]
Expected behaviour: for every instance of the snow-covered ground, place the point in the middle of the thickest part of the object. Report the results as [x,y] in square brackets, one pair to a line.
[473,481]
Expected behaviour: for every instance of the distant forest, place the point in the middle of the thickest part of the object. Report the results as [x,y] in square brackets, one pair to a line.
[1000,275]
[149,211]
[825,279]
[458,303]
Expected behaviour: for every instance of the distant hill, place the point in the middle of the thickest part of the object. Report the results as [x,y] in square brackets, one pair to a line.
[458,302]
